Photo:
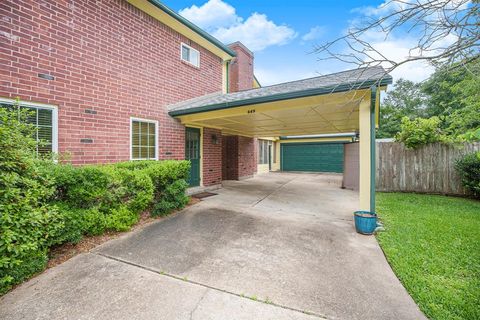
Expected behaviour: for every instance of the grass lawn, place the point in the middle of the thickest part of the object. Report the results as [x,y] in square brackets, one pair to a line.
[433,245]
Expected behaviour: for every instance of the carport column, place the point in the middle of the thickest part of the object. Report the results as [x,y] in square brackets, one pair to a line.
[367,152]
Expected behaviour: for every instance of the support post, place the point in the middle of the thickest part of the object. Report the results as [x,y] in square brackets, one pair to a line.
[367,151]
[373,158]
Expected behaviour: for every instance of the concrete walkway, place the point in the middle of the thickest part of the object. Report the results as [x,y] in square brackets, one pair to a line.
[279,246]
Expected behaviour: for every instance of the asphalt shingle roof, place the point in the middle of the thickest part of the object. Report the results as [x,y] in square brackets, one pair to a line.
[336,82]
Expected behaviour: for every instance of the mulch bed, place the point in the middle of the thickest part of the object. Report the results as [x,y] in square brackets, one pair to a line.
[66,251]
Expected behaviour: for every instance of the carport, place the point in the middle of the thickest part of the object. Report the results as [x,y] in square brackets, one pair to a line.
[336,103]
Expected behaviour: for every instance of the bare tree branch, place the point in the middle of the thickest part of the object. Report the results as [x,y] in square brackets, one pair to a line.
[448,32]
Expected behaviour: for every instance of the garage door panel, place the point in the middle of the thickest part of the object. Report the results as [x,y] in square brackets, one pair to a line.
[315,157]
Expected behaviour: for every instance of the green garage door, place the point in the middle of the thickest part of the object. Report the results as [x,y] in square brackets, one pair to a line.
[316,157]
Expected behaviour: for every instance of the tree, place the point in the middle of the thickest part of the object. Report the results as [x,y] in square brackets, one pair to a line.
[451,88]
[447,31]
[404,100]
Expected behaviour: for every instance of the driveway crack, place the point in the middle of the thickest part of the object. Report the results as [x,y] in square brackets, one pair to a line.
[208,287]
[275,190]
[198,303]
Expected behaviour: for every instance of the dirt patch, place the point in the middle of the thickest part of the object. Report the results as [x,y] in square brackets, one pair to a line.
[64,252]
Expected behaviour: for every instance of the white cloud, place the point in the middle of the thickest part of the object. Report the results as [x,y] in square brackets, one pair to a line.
[389,6]
[256,32]
[398,50]
[212,15]
[315,33]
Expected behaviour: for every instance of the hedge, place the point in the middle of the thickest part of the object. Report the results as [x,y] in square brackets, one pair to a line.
[44,204]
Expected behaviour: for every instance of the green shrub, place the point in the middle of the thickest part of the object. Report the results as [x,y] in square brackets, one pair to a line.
[138,190]
[73,221]
[94,222]
[43,204]
[104,193]
[169,181]
[468,168]
[27,221]
[121,219]
[173,197]
[417,132]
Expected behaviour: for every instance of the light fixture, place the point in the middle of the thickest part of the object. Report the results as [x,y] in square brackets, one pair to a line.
[214,139]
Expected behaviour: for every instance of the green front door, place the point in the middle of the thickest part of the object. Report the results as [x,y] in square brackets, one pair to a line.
[192,153]
[315,157]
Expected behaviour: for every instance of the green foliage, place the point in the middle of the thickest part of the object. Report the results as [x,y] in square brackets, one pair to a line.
[43,204]
[452,94]
[433,245]
[120,219]
[418,132]
[464,123]
[27,222]
[173,197]
[169,181]
[404,100]
[468,168]
[451,88]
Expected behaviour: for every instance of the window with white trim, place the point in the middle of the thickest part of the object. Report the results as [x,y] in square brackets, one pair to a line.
[263,151]
[44,118]
[144,139]
[190,55]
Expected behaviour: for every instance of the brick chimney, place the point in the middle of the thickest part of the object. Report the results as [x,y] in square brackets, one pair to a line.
[241,68]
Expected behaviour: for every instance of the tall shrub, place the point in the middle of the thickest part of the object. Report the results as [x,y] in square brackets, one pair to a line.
[417,132]
[27,222]
[468,168]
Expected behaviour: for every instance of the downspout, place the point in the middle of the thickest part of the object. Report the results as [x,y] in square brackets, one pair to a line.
[227,79]
[373,160]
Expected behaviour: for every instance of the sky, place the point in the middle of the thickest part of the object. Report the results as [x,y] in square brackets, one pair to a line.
[283,34]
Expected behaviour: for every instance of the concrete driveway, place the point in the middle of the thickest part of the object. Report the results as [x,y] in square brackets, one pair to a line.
[279,246]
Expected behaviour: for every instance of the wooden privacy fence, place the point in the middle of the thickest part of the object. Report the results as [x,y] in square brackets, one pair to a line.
[429,169]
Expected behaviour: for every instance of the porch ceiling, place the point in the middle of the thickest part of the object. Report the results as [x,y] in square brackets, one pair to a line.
[334,113]
[267,112]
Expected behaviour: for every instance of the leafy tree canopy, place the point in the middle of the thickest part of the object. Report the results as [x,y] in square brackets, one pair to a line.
[452,94]
[405,100]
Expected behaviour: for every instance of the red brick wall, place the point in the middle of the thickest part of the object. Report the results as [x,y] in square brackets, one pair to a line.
[230,158]
[105,56]
[241,68]
[212,157]
[247,164]
[239,160]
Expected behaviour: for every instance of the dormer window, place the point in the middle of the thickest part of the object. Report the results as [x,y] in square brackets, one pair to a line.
[190,55]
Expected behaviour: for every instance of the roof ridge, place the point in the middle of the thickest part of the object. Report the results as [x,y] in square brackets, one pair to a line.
[311,78]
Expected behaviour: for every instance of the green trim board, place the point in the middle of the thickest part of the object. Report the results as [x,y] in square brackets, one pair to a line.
[284,96]
[373,98]
[312,156]
[193,27]
[227,75]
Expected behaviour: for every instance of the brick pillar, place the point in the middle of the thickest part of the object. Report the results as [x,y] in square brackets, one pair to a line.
[239,160]
[212,156]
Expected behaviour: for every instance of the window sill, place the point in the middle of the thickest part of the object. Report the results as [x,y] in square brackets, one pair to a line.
[189,64]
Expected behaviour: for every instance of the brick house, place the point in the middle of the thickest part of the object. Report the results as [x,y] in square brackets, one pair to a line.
[101,71]
[119,80]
